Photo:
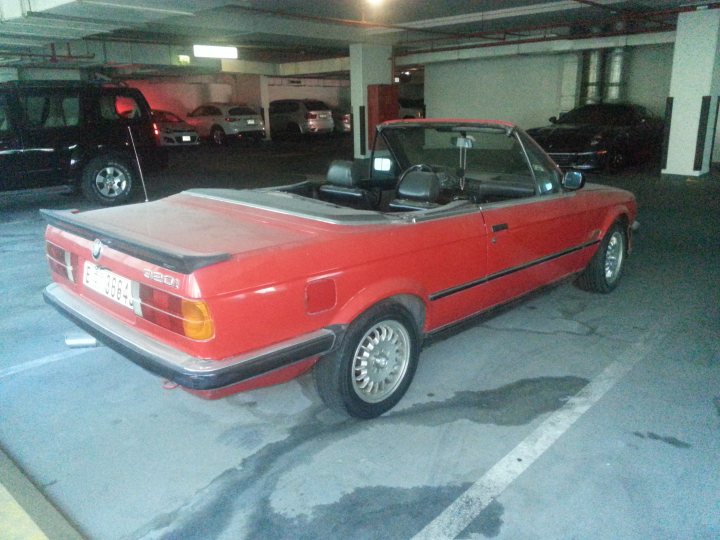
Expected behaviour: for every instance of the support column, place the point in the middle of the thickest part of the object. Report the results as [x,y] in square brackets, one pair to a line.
[265,104]
[692,106]
[369,64]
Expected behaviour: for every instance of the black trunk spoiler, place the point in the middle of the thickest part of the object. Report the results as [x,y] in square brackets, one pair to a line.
[182,263]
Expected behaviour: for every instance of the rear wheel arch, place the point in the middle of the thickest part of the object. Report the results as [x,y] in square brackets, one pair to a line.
[409,297]
[374,362]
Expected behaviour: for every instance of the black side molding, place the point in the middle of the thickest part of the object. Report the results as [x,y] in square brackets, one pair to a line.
[185,264]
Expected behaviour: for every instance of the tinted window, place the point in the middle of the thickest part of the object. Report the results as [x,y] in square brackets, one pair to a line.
[5,126]
[50,110]
[240,111]
[316,106]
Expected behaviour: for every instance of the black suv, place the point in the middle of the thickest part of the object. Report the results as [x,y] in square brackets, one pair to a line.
[82,134]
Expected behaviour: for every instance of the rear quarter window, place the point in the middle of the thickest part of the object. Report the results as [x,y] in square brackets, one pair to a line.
[116,106]
[316,106]
[241,111]
[5,126]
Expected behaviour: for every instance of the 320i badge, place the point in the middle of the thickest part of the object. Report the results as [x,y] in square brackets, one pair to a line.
[224,290]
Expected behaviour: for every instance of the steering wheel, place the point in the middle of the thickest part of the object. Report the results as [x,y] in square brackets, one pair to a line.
[416,167]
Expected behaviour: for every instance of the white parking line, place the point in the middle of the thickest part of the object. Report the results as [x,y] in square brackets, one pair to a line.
[456,517]
[40,362]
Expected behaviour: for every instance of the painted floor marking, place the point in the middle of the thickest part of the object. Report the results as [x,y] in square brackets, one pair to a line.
[40,362]
[456,517]
[14,521]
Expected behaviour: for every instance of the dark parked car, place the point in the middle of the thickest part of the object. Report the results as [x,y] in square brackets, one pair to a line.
[601,136]
[75,133]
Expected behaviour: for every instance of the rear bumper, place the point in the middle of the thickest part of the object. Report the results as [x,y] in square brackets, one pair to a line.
[177,366]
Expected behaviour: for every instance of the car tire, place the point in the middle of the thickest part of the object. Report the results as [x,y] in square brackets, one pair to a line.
[294,131]
[108,180]
[603,272]
[616,160]
[373,366]
[218,136]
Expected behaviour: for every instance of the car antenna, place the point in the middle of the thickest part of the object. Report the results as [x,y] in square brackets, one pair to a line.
[137,160]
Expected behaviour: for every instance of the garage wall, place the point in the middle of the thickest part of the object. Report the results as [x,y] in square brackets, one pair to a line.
[526,89]
[648,71]
[522,89]
[182,96]
[333,92]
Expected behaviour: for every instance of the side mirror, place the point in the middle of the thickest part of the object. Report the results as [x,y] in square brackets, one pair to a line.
[573,180]
[552,119]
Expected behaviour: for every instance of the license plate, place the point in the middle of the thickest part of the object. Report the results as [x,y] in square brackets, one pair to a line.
[186,138]
[108,284]
[251,122]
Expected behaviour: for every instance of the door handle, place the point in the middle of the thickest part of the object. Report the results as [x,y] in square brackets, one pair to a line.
[500,227]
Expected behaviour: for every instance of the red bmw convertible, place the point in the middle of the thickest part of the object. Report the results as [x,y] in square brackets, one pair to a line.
[224,290]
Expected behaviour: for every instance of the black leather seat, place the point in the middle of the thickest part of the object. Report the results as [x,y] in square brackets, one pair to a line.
[419,190]
[342,187]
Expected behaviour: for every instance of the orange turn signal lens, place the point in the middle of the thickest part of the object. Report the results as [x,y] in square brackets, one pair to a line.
[197,323]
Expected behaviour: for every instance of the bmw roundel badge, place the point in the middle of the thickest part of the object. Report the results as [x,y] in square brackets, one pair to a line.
[97,249]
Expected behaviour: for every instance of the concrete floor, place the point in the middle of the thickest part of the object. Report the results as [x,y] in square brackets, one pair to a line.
[571,415]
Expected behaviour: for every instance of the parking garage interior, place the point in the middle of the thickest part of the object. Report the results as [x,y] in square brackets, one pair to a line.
[565,415]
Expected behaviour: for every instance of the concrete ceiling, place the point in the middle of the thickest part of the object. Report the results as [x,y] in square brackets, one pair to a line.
[69,33]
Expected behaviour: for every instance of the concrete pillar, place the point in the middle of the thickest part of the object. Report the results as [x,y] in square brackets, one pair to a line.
[369,64]
[265,104]
[694,88]
[570,84]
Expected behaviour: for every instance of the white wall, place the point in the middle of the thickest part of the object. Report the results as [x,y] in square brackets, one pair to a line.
[182,95]
[333,92]
[647,74]
[521,89]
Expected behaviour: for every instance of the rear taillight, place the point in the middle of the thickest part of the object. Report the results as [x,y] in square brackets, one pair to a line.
[62,263]
[156,129]
[311,116]
[190,318]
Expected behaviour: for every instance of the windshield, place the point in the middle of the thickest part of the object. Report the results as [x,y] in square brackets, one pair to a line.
[604,115]
[462,149]
[165,116]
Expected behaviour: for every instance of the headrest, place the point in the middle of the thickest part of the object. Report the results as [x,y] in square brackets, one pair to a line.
[340,173]
[420,186]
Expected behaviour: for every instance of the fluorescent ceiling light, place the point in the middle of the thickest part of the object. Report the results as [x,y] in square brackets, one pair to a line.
[214,51]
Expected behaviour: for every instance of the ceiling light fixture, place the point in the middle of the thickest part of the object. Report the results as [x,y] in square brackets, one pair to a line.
[214,51]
